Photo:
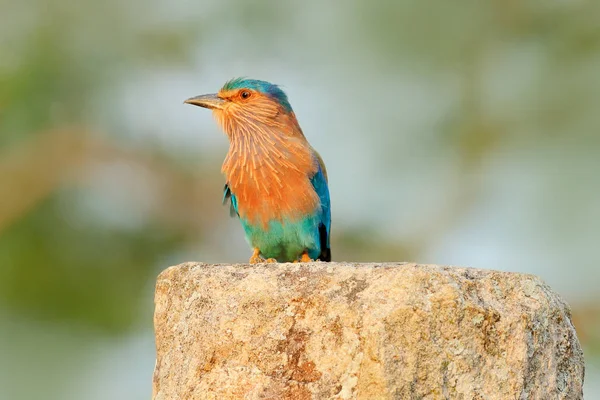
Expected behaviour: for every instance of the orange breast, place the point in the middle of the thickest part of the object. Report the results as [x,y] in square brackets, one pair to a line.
[269,163]
[271,180]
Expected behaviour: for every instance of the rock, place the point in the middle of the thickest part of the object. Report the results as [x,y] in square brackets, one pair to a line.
[361,331]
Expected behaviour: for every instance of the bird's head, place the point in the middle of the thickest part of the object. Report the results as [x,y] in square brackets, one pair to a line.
[245,102]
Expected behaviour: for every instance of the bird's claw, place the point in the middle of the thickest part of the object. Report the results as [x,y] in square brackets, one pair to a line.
[257,258]
[305,258]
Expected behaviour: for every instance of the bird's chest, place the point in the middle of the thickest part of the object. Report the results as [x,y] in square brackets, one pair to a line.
[263,198]
[271,182]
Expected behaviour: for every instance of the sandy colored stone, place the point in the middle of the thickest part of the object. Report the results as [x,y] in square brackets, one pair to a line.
[361,331]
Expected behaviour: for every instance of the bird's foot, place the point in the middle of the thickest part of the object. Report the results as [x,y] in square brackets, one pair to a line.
[305,258]
[256,258]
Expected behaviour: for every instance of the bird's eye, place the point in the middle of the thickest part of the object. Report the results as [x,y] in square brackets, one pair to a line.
[245,94]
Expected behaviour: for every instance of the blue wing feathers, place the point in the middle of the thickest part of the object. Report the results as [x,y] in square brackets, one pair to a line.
[227,195]
[319,182]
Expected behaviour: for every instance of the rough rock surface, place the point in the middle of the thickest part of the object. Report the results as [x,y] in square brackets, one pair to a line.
[361,331]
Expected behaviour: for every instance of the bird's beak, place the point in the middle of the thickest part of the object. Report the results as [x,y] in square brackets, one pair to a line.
[211,101]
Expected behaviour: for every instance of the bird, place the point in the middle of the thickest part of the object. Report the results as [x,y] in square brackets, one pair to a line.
[276,182]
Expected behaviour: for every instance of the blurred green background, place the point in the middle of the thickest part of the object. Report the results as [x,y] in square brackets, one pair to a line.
[462,133]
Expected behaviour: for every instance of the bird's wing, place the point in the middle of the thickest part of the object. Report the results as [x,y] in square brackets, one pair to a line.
[319,182]
[227,195]
[321,164]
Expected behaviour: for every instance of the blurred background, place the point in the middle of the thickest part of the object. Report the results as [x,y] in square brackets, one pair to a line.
[461,133]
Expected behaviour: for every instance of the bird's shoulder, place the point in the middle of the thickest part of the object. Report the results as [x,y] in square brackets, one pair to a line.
[320,163]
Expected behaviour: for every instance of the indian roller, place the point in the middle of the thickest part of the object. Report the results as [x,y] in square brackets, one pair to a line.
[275,181]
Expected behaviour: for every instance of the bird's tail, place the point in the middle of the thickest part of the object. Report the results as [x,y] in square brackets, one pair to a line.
[324,239]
